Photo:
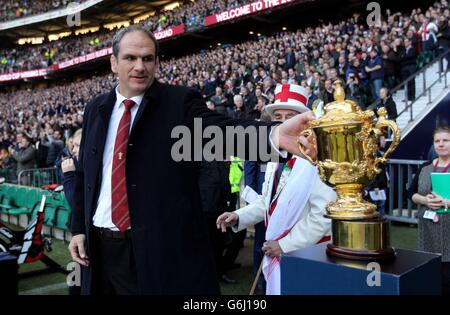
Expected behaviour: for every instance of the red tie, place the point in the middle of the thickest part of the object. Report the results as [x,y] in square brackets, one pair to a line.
[119,197]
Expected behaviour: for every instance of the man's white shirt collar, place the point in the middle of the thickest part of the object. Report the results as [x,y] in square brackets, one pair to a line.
[120,98]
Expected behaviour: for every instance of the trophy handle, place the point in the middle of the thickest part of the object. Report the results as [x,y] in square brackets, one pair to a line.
[306,133]
[386,123]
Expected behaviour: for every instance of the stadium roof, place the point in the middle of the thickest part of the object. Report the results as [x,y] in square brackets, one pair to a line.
[104,12]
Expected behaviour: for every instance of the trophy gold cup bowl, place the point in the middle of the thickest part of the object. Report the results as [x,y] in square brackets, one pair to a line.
[347,144]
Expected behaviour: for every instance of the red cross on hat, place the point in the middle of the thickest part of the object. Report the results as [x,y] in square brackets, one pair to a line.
[289,96]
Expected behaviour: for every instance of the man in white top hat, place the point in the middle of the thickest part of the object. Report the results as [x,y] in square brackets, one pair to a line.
[293,198]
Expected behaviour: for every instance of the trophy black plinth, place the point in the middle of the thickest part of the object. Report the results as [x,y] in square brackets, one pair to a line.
[8,274]
[310,271]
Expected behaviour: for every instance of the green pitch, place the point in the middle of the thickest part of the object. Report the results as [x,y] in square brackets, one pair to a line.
[402,236]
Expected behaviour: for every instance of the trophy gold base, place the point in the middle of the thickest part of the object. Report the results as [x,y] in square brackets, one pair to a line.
[354,211]
[350,204]
[361,240]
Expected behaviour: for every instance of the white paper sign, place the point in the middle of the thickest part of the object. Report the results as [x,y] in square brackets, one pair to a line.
[380,195]
[430,215]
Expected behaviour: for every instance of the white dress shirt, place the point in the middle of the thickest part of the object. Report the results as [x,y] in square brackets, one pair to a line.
[102,216]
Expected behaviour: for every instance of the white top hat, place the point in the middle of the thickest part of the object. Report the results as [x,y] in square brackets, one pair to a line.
[289,96]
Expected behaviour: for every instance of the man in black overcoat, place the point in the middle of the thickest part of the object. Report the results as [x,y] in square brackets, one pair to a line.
[150,237]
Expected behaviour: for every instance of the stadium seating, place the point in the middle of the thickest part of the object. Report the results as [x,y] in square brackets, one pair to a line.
[17,200]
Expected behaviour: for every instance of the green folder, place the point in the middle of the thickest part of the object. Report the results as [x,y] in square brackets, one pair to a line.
[440,183]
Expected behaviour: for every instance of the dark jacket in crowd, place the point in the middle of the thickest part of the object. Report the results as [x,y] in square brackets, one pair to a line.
[254,114]
[390,60]
[249,100]
[408,57]
[390,106]
[254,173]
[238,114]
[444,38]
[327,97]
[357,93]
[311,99]
[290,60]
[26,158]
[378,74]
[41,155]
[54,147]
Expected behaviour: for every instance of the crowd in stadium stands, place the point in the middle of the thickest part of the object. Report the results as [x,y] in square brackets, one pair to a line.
[45,117]
[31,57]
[239,80]
[14,9]
[192,14]
[43,56]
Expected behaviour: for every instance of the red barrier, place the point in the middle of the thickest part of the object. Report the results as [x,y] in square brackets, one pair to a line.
[170,32]
[247,9]
[13,76]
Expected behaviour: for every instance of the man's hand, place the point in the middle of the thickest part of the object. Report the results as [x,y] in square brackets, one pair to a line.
[77,250]
[272,249]
[68,165]
[287,135]
[226,219]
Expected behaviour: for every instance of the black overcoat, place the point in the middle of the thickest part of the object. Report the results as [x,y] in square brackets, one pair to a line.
[169,238]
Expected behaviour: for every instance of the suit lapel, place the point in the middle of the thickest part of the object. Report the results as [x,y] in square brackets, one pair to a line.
[106,107]
[283,181]
[105,110]
[268,182]
[150,97]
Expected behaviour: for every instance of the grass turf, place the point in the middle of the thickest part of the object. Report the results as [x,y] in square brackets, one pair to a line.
[402,236]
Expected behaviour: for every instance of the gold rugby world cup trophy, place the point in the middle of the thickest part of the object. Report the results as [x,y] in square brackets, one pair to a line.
[347,145]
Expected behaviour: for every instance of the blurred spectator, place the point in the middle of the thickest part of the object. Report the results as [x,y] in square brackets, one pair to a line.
[387,102]
[433,234]
[219,101]
[25,157]
[55,144]
[239,108]
[376,190]
[390,58]
[13,9]
[444,38]
[255,112]
[355,91]
[327,93]
[428,31]
[313,100]
[375,69]
[408,67]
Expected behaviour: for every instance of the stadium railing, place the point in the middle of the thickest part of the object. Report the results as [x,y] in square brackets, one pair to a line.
[426,87]
[401,174]
[39,177]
